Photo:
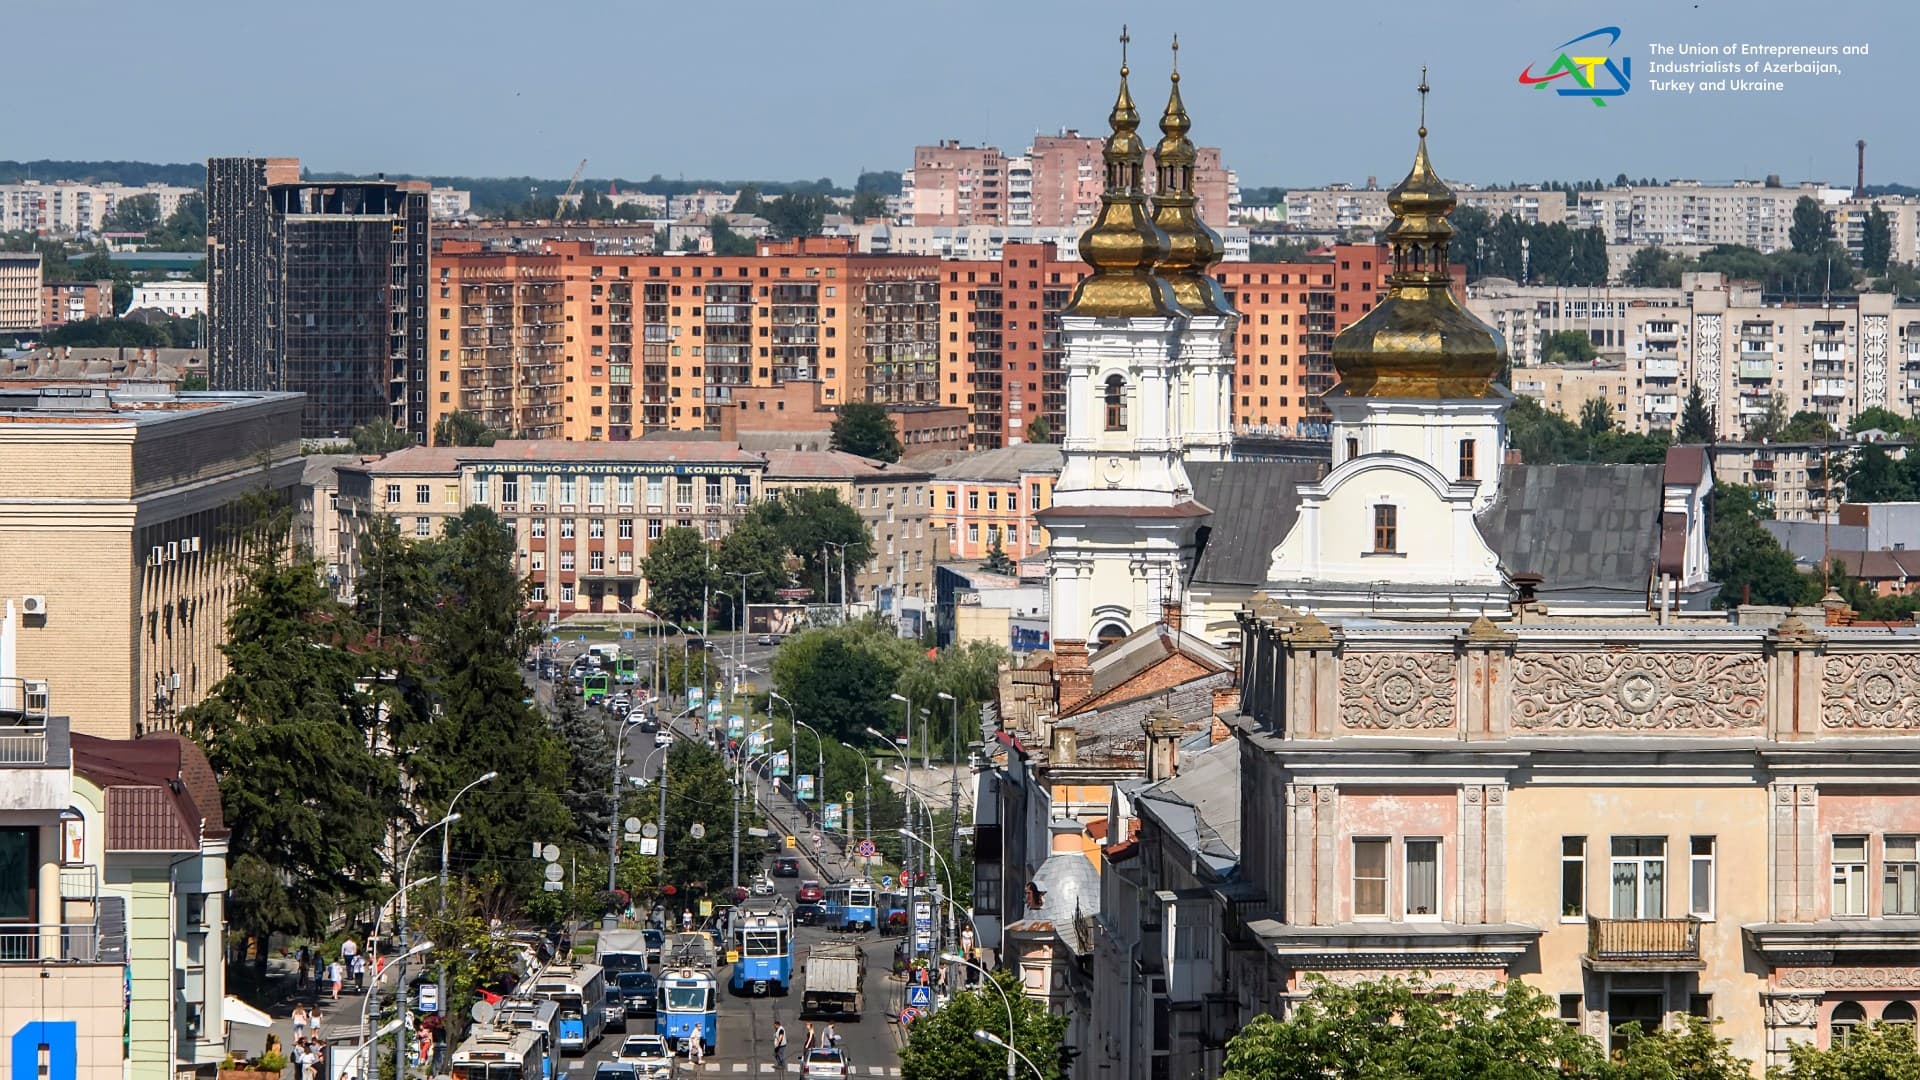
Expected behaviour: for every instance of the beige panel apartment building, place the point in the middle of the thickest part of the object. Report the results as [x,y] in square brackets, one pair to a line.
[19,291]
[1566,388]
[1739,345]
[1342,208]
[583,513]
[1746,212]
[894,500]
[117,538]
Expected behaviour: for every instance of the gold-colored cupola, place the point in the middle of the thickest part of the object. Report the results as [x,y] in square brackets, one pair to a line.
[1124,245]
[1193,249]
[1418,342]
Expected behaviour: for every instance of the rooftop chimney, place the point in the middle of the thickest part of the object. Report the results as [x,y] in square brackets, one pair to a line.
[1860,169]
[1170,612]
[1073,679]
[1163,744]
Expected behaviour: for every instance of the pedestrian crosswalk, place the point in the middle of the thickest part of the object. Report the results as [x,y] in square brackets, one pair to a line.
[743,1068]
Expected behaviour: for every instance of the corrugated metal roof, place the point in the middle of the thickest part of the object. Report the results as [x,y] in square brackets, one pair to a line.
[1255,504]
[1578,526]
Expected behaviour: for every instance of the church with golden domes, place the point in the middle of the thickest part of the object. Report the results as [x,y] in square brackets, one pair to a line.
[1419,512]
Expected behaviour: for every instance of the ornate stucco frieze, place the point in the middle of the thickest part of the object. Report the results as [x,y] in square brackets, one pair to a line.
[1592,691]
[1397,690]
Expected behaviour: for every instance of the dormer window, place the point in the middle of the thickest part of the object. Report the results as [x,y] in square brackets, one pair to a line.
[1386,529]
[1116,401]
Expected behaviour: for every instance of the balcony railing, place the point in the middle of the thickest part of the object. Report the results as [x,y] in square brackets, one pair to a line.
[1644,943]
[26,943]
[23,745]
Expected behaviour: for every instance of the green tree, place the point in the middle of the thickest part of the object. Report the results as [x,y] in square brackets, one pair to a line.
[1884,419]
[1039,431]
[795,215]
[192,381]
[748,201]
[135,214]
[969,673]
[810,520]
[1389,1030]
[1542,437]
[1771,421]
[185,229]
[1744,558]
[728,242]
[475,635]
[1871,475]
[868,204]
[864,429]
[1653,267]
[1810,232]
[1596,418]
[840,678]
[288,733]
[589,791]
[751,548]
[997,560]
[1696,420]
[379,437]
[462,429]
[1692,1051]
[699,792]
[1806,426]
[680,575]
[941,1044]
[1875,1052]
[1876,242]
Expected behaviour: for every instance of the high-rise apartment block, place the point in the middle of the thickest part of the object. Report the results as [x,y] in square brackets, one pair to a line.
[19,291]
[1057,183]
[67,208]
[1339,209]
[1741,347]
[320,288]
[1746,212]
[580,343]
[1000,342]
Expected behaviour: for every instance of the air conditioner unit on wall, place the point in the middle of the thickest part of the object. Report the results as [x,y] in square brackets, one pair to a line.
[33,605]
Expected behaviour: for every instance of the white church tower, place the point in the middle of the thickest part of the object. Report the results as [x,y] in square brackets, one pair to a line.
[1124,518]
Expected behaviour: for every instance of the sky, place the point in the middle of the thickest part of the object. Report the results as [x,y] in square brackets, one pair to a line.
[1294,94]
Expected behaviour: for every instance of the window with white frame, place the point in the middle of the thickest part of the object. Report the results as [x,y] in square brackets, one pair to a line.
[656,491]
[479,486]
[539,594]
[422,526]
[654,526]
[1900,877]
[596,529]
[566,529]
[1423,878]
[597,490]
[567,491]
[537,529]
[596,561]
[537,489]
[510,488]
[566,560]
[626,491]
[1849,876]
[393,493]
[713,492]
[1573,877]
[1370,878]
[566,593]
[1639,877]
[626,528]
[1700,883]
[537,560]
[423,493]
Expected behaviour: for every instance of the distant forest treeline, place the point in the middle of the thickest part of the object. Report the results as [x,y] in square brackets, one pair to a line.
[133,173]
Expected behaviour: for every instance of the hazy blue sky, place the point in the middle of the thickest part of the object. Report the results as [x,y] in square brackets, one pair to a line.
[1295,93]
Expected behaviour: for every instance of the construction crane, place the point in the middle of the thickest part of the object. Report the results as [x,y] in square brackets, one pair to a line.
[560,209]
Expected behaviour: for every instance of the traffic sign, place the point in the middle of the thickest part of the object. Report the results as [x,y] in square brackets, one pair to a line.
[556,872]
[920,997]
[551,853]
[633,824]
[649,829]
[698,831]
[649,845]
[866,850]
[554,886]
[429,998]
[886,881]
[909,1014]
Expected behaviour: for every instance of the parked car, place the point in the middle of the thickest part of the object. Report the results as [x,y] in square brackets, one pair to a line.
[763,886]
[825,1063]
[663,737]
[786,866]
[810,892]
[649,1056]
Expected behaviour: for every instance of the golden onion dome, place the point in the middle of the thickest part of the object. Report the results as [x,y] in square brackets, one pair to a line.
[1418,342]
[1124,245]
[1192,248]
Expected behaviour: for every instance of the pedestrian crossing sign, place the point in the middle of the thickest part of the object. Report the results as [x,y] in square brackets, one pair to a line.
[920,997]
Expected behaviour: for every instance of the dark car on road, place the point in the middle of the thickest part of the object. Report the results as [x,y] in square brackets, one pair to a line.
[810,892]
[809,915]
[639,993]
[656,940]
[786,866]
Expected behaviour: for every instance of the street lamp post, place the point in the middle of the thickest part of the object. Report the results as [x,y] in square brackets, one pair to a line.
[378,914]
[994,1040]
[740,626]
[946,892]
[446,838]
[613,826]
[953,771]
[403,1008]
[366,1040]
[739,763]
[986,1036]
[842,549]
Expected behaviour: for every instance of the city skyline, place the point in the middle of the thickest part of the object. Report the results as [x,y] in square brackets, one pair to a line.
[528,115]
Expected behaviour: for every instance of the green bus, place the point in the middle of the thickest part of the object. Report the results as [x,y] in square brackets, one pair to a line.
[627,670]
[593,686]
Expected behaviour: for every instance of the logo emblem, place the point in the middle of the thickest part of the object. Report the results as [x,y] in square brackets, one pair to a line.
[1586,71]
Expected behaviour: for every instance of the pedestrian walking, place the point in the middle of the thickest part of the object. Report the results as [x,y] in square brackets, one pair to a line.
[299,1024]
[334,976]
[306,968]
[812,1037]
[359,965]
[830,1038]
[686,920]
[696,1051]
[780,1047]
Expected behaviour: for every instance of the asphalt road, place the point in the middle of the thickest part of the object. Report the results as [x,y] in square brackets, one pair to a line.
[746,1023]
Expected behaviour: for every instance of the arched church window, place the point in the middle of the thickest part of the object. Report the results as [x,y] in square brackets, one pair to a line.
[1116,403]
[1846,1016]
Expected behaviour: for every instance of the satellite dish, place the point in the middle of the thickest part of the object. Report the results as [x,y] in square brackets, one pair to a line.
[483,1011]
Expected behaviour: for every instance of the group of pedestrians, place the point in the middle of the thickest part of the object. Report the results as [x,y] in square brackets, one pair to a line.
[830,1037]
[330,975]
[309,1048]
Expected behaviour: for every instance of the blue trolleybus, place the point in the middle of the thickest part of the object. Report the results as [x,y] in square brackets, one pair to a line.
[579,992]
[850,906]
[689,1009]
[763,934]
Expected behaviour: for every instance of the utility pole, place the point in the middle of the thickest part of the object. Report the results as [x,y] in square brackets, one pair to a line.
[953,782]
[660,838]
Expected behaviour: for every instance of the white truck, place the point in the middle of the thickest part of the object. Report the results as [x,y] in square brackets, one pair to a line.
[835,978]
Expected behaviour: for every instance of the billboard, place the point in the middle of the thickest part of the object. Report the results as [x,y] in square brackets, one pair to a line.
[776,618]
[830,815]
[803,785]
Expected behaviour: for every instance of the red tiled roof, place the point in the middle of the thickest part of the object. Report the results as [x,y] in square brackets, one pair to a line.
[146,819]
[1686,464]
[161,792]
